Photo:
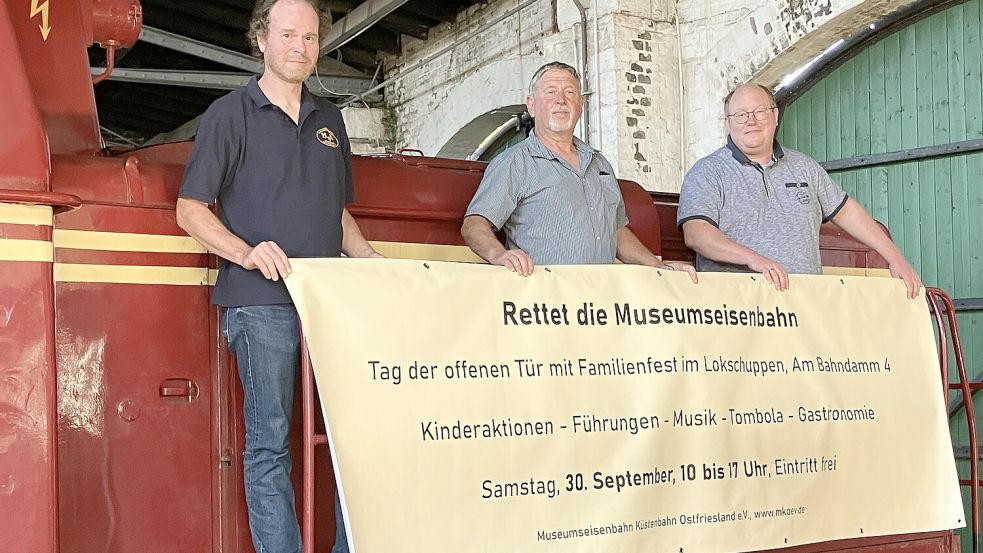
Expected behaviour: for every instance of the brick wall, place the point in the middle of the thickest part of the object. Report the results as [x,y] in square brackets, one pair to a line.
[639,120]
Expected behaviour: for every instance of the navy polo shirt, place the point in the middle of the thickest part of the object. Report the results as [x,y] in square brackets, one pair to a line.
[274,180]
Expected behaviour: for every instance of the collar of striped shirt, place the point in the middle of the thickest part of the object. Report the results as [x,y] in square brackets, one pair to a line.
[538,149]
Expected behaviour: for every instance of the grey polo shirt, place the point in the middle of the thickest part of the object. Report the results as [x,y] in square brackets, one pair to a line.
[774,210]
[556,214]
[274,180]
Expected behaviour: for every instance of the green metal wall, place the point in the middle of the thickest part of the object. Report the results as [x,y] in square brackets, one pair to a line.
[920,86]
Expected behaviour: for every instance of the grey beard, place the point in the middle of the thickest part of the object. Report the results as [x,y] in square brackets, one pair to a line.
[556,126]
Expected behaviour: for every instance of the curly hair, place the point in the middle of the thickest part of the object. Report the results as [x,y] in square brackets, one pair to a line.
[259,23]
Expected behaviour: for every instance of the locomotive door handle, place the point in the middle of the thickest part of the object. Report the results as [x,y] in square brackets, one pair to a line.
[179,388]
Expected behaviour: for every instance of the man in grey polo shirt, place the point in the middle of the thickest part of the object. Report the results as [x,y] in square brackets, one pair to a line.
[556,198]
[753,206]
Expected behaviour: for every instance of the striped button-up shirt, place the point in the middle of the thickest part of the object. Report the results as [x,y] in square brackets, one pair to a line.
[556,214]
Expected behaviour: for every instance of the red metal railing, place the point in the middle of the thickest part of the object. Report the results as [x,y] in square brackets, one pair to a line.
[943,321]
[946,326]
[311,440]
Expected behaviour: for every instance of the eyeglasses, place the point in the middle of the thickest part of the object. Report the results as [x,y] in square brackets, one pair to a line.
[741,117]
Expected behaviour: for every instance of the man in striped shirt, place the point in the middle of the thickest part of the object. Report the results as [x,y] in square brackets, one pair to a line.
[556,198]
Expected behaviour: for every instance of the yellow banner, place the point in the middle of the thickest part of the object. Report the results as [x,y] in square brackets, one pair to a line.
[624,409]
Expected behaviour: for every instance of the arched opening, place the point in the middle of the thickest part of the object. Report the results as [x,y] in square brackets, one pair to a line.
[486,135]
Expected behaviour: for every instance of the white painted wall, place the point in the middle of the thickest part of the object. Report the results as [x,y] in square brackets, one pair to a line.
[365,129]
[487,71]
[649,126]
[727,42]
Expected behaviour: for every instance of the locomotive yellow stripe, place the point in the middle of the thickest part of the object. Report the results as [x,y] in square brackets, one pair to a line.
[199,276]
[443,252]
[12,249]
[429,252]
[125,242]
[19,214]
[134,274]
[856,271]
[129,274]
[42,251]
[159,243]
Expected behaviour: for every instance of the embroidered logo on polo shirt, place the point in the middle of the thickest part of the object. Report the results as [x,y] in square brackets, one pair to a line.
[801,191]
[326,137]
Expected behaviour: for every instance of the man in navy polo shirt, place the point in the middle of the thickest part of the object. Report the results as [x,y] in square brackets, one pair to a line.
[755,206]
[278,161]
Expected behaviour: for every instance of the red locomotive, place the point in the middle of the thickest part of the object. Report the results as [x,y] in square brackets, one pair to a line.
[120,425]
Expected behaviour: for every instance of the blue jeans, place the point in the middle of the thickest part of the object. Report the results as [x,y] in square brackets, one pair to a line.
[266,342]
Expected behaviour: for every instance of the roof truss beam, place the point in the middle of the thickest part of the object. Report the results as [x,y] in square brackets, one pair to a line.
[332,85]
[197,48]
[438,11]
[231,58]
[358,20]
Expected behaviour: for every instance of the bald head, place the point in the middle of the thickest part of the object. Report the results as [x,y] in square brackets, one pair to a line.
[752,119]
[748,87]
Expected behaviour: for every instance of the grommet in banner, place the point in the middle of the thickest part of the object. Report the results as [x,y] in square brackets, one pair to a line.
[426,265]
[861,530]
[754,279]
[786,540]
[658,272]
[547,269]
[841,281]
[680,550]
